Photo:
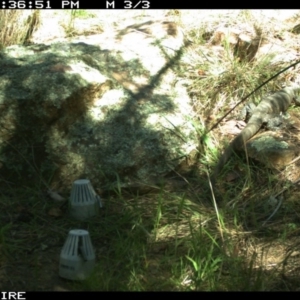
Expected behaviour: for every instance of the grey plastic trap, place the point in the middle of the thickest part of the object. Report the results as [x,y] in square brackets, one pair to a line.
[84,202]
[77,258]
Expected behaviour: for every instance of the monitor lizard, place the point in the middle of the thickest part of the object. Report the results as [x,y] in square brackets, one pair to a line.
[265,110]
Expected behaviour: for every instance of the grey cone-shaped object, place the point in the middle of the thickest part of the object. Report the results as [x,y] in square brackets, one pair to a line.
[77,257]
[84,202]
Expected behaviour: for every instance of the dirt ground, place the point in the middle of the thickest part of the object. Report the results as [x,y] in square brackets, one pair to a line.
[33,265]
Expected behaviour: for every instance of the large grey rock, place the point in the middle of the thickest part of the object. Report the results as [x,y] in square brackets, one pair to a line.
[110,108]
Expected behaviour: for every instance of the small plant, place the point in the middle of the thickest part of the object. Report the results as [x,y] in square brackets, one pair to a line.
[76,13]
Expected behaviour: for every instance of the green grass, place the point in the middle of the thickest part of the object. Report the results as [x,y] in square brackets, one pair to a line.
[178,241]
[154,242]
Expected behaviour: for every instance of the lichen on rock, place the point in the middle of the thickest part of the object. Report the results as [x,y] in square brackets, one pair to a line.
[94,111]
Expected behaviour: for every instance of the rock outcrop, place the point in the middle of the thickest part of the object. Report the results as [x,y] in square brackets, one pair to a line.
[110,108]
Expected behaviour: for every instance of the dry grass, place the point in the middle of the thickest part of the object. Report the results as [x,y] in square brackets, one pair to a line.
[179,240]
[17,26]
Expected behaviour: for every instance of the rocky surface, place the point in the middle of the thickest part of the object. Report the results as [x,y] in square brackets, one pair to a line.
[272,149]
[110,108]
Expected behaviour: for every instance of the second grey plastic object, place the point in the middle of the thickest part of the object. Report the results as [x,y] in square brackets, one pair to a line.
[85,202]
[77,257]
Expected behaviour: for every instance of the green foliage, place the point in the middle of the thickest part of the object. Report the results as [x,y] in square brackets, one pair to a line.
[179,241]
